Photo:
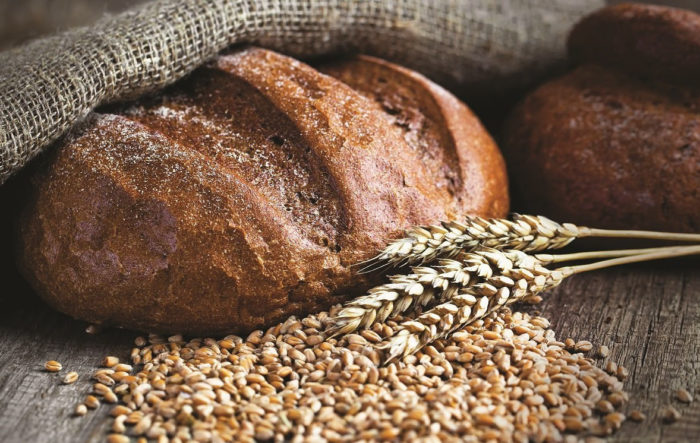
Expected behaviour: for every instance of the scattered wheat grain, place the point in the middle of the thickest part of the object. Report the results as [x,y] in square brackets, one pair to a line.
[70,378]
[684,396]
[637,416]
[53,366]
[670,414]
[110,361]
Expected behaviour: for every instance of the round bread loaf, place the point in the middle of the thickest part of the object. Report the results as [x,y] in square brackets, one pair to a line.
[616,142]
[246,192]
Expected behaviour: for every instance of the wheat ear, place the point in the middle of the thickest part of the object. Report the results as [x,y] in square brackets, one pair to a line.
[524,278]
[521,232]
[422,286]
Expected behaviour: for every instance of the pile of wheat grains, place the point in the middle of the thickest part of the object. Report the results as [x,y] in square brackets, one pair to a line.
[502,378]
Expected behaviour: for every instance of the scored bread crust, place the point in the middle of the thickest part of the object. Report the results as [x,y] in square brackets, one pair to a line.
[448,137]
[245,193]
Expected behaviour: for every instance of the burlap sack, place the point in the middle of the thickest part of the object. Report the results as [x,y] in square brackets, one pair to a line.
[49,84]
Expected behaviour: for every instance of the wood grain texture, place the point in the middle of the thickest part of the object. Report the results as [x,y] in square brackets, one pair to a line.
[648,316]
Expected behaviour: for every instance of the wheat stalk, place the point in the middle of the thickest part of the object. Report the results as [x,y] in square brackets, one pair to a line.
[522,232]
[524,277]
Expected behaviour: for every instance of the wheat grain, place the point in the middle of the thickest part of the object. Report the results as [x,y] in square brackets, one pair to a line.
[70,378]
[53,366]
[80,410]
[670,414]
[117,438]
[605,406]
[637,416]
[110,361]
[91,402]
[684,396]
[503,378]
[615,420]
[583,346]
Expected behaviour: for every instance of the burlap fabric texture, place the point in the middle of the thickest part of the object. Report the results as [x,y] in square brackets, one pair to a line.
[48,85]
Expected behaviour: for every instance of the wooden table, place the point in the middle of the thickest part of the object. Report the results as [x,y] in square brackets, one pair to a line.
[649,316]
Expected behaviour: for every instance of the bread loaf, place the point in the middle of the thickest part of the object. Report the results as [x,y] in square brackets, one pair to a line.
[246,192]
[616,142]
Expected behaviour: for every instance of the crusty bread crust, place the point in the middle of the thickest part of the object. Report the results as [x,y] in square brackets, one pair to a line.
[604,149]
[245,193]
[449,139]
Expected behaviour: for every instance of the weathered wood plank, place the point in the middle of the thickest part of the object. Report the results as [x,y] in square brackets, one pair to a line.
[649,316]
[34,404]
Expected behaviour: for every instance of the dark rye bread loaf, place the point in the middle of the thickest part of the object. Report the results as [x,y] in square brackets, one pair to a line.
[246,192]
[616,142]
